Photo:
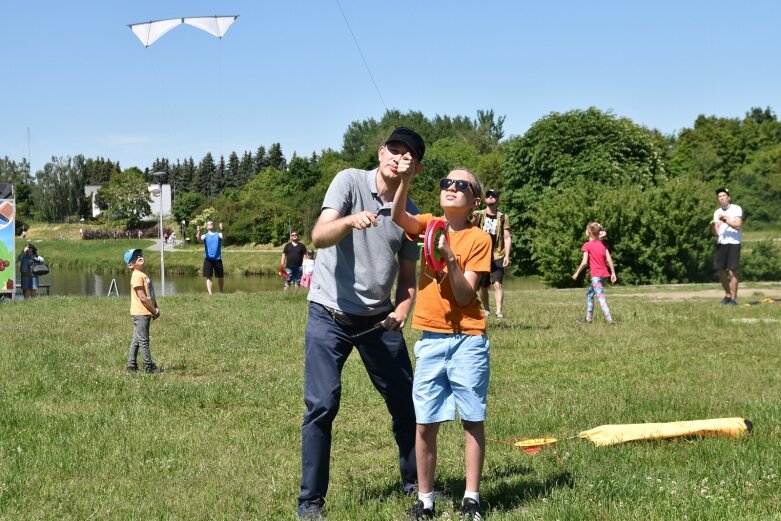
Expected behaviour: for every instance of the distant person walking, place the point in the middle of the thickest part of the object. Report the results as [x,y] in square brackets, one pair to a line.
[292,260]
[212,258]
[597,257]
[497,225]
[727,226]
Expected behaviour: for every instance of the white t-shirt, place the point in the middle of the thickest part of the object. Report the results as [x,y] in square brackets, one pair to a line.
[728,234]
[308,266]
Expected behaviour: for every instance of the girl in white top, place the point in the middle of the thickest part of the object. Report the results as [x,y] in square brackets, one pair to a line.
[308,267]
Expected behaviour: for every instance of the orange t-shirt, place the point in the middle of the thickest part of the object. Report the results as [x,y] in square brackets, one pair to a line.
[436,309]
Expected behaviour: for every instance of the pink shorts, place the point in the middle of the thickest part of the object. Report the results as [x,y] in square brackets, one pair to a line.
[306,280]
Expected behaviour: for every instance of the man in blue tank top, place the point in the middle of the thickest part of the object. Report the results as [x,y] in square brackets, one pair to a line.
[212,258]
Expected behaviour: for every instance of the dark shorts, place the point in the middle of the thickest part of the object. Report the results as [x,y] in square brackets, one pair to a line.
[212,267]
[29,282]
[496,275]
[727,257]
[294,275]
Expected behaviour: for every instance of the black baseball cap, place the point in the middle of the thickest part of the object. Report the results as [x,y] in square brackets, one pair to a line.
[722,189]
[492,191]
[413,141]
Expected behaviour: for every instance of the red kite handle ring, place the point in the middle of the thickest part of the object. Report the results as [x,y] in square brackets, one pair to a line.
[431,254]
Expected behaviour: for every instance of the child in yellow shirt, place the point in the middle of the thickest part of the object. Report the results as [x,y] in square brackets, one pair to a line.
[143,309]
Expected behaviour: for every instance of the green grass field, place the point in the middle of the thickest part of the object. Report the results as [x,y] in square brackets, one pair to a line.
[217,435]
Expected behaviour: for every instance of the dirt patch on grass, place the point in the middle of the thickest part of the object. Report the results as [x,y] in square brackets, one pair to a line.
[745,296]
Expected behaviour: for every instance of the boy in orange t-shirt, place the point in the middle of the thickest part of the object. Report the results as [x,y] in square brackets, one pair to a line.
[452,357]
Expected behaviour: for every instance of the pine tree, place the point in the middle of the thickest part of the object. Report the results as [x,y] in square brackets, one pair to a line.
[204,175]
[276,158]
[232,179]
[261,160]
[246,169]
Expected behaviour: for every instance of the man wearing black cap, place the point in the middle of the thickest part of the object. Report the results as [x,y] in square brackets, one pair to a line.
[497,225]
[361,254]
[727,225]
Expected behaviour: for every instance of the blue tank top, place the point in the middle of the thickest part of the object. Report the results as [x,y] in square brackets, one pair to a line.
[213,246]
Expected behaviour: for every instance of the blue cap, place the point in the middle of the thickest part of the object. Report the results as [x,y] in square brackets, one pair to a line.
[132,254]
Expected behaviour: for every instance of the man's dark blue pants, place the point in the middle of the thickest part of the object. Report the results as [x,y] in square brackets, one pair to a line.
[384,354]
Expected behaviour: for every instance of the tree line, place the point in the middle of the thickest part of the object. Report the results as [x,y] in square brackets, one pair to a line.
[653,192]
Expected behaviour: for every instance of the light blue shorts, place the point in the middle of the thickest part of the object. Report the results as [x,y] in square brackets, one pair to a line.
[451,372]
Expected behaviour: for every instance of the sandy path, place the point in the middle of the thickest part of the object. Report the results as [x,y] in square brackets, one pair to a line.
[745,294]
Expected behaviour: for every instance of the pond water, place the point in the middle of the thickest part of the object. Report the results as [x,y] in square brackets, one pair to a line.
[73,281]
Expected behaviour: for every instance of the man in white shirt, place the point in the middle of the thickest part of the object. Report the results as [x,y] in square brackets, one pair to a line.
[727,225]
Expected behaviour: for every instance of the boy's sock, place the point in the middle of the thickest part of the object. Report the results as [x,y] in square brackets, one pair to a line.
[427,499]
[472,495]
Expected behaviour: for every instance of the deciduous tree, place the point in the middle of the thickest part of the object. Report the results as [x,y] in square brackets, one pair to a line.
[562,149]
[126,197]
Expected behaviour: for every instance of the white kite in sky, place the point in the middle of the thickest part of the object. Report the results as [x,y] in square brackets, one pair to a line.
[150,32]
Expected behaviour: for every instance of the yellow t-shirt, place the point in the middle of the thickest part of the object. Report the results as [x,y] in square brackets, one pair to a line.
[436,309]
[140,279]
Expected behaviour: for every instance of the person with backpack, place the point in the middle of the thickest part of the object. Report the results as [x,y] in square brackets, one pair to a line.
[497,225]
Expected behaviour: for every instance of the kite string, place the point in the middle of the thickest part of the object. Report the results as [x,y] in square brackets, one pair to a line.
[165,100]
[377,88]
[219,95]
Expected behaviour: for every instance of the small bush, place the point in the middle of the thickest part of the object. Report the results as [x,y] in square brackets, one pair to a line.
[762,263]
[656,236]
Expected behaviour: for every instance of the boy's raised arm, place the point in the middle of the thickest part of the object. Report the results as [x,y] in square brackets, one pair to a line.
[399,212]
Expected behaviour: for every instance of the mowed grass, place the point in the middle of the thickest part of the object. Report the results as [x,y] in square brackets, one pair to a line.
[217,436]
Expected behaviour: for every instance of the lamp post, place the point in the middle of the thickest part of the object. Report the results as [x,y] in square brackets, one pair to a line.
[159,176]
[184,237]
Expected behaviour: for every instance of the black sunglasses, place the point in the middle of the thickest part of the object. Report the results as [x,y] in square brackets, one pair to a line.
[461,185]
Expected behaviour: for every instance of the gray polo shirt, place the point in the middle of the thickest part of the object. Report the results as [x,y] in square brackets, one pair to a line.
[357,274]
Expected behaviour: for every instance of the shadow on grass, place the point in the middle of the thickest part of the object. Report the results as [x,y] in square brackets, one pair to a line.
[510,494]
[506,488]
[175,367]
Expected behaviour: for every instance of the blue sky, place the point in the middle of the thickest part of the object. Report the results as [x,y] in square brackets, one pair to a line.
[289,71]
